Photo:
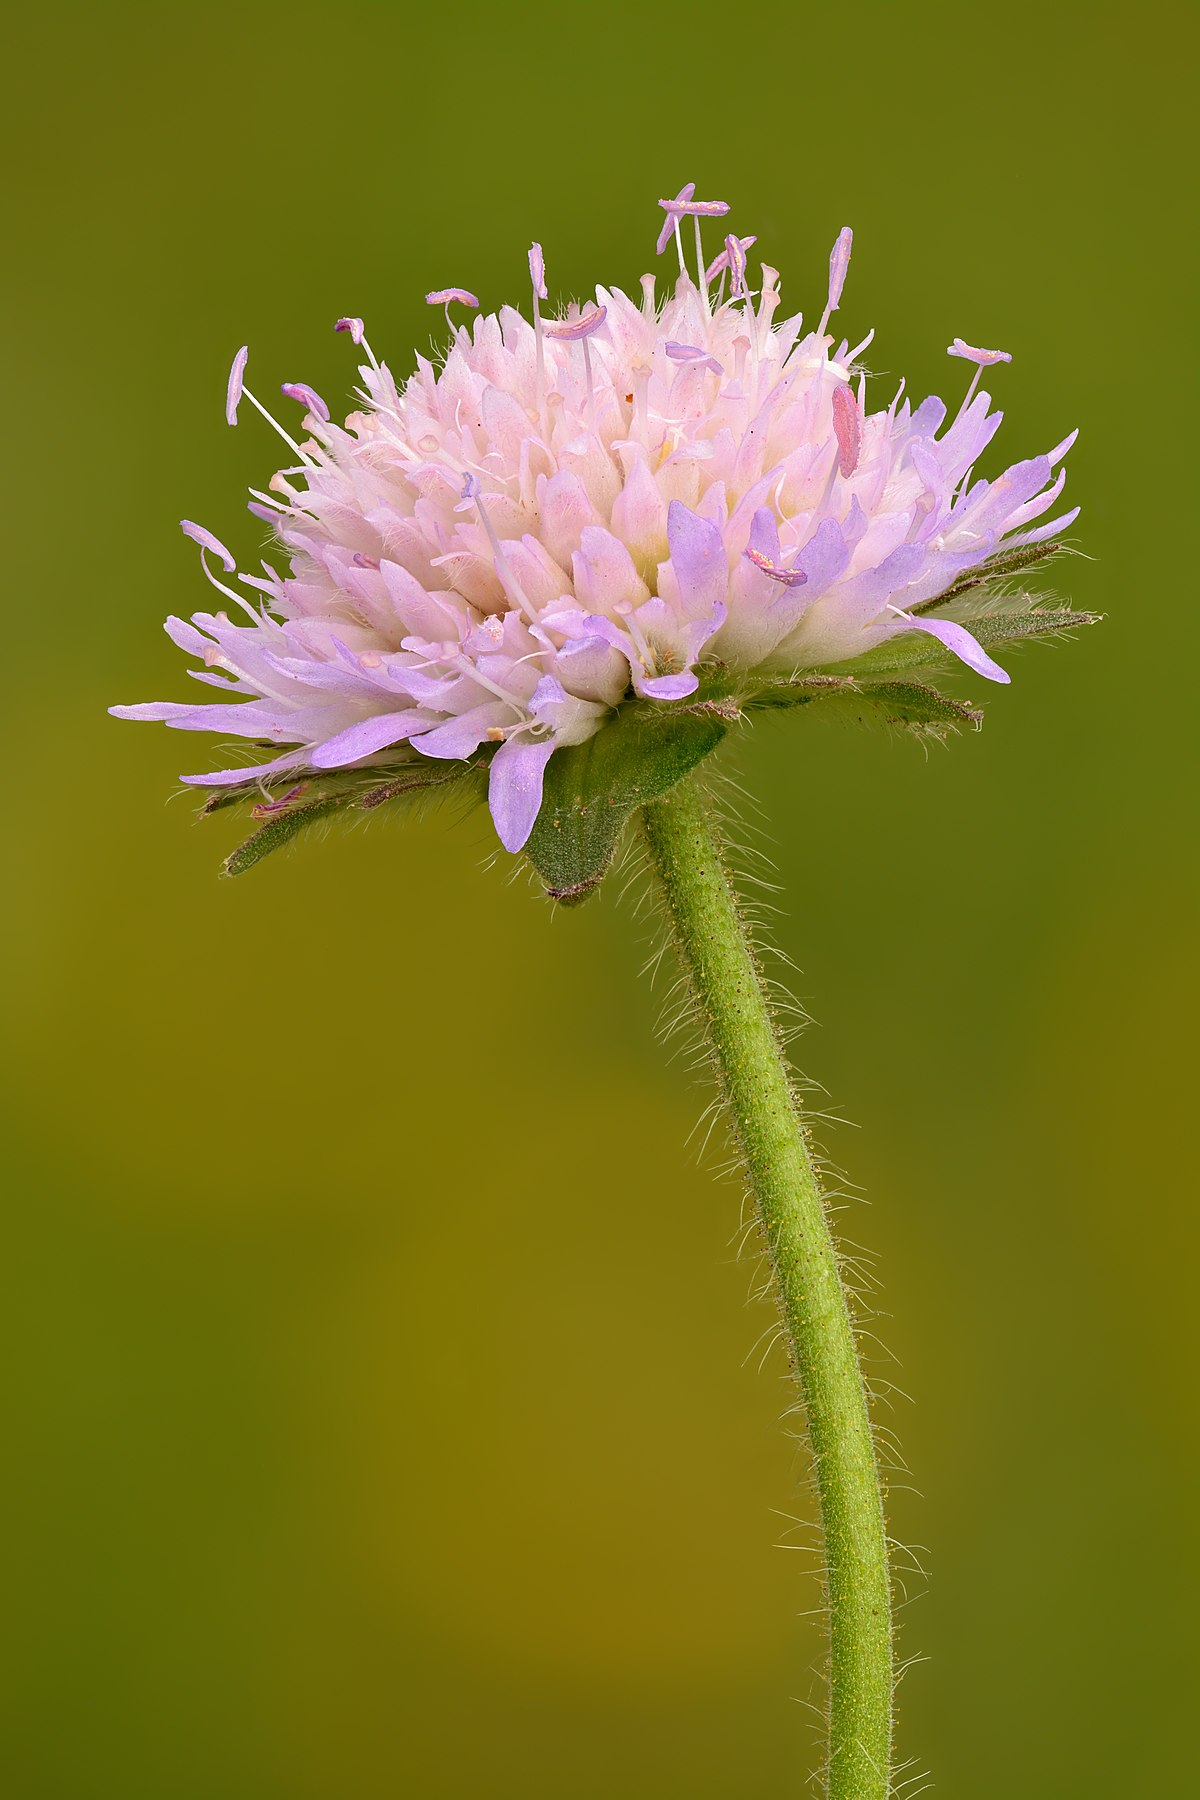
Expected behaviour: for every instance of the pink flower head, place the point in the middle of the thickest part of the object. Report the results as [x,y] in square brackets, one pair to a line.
[486,560]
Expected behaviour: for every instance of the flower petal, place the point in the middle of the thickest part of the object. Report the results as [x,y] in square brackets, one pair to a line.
[515,788]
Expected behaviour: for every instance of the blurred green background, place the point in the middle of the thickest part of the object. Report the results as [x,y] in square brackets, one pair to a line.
[386,1418]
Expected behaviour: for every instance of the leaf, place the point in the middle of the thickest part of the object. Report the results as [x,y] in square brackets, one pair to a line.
[277,832]
[327,792]
[1005,562]
[909,703]
[917,649]
[592,788]
[799,690]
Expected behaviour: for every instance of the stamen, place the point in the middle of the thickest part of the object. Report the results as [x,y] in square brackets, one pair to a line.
[207,541]
[467,667]
[839,262]
[266,808]
[308,397]
[274,423]
[451,296]
[213,545]
[847,428]
[448,297]
[697,209]
[537,274]
[982,359]
[471,492]
[233,387]
[573,331]
[677,208]
[720,263]
[578,331]
[356,329]
[624,609]
[701,283]
[670,226]
[788,577]
[737,267]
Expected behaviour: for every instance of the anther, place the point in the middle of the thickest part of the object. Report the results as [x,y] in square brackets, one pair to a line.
[451,296]
[233,387]
[982,359]
[788,577]
[671,226]
[308,397]
[356,328]
[691,353]
[847,428]
[537,275]
[839,262]
[720,263]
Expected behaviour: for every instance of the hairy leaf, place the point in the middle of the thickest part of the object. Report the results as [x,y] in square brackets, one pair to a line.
[592,788]
[321,793]
[917,649]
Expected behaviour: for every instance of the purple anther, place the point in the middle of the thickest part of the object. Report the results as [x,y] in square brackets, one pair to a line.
[363,562]
[788,577]
[719,265]
[571,331]
[847,428]
[470,491]
[308,397]
[982,357]
[839,262]
[696,209]
[451,297]
[670,207]
[537,270]
[233,391]
[691,353]
[354,326]
[207,541]
[267,808]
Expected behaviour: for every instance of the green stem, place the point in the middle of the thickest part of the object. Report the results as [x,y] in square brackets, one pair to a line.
[715,949]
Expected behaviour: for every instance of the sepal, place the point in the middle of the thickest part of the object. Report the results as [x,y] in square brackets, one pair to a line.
[992,630]
[305,797]
[592,788]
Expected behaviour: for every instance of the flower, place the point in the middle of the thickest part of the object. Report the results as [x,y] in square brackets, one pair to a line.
[568,515]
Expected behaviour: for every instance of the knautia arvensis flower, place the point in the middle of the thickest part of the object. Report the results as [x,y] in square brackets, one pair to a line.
[649,503]
[562,566]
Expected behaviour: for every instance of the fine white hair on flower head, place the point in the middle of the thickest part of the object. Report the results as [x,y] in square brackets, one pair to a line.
[573,512]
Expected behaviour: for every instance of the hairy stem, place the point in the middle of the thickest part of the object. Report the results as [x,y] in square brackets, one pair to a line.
[715,949]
